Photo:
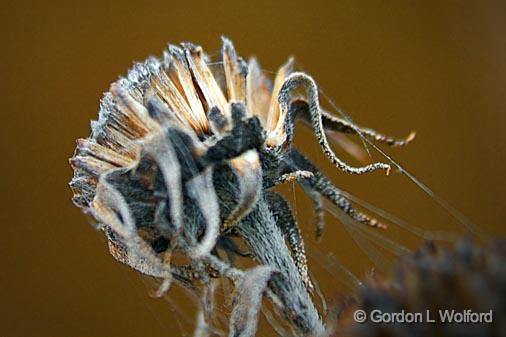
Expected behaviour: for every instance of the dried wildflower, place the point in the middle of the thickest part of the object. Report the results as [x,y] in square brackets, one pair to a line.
[183,158]
[435,280]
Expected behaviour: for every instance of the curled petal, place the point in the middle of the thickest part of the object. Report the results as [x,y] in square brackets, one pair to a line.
[249,173]
[202,191]
[247,303]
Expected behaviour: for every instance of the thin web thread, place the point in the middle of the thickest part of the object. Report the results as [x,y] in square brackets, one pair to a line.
[454,212]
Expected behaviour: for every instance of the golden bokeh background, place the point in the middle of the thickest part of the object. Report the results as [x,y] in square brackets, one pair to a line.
[438,67]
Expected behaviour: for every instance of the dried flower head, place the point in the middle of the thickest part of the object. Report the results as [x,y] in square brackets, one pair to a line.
[183,159]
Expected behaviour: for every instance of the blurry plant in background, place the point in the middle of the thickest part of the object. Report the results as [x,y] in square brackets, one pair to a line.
[455,291]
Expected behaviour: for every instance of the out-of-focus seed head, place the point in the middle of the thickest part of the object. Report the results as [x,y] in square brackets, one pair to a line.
[465,278]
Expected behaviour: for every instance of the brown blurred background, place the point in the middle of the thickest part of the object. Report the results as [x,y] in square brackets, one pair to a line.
[438,67]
